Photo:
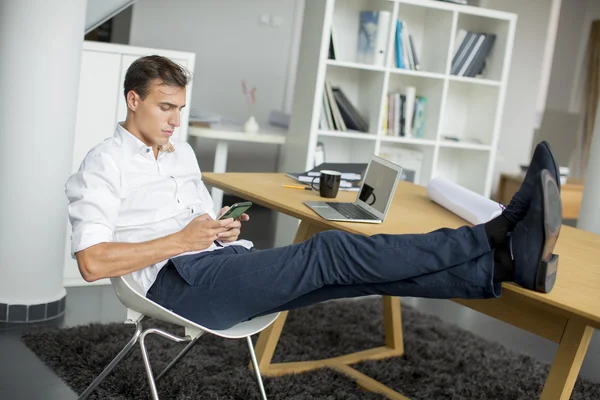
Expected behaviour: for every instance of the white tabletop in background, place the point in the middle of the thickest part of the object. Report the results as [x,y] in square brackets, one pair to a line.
[236,133]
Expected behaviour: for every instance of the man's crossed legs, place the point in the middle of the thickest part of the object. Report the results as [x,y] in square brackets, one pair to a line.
[221,288]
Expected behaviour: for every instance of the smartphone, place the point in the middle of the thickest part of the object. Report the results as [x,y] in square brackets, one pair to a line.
[236,210]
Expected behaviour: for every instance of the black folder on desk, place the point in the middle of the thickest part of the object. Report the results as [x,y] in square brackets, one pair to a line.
[352,174]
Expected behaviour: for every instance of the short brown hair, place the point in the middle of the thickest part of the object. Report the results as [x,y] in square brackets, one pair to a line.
[145,69]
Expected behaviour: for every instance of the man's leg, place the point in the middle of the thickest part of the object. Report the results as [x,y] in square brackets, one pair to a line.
[435,285]
[221,288]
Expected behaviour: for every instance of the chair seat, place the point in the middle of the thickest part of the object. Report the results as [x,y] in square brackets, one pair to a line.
[133,297]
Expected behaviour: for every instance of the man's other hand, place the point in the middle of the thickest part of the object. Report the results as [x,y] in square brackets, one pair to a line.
[202,231]
[234,228]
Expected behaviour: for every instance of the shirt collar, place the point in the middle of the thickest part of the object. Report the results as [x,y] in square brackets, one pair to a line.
[135,145]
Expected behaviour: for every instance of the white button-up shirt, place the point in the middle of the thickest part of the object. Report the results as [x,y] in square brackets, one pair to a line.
[121,193]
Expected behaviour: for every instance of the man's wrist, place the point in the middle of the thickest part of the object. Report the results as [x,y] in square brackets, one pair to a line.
[179,242]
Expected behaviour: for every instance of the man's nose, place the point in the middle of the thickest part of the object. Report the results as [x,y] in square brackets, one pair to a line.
[175,119]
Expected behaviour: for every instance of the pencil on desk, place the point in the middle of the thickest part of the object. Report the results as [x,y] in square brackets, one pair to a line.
[297,187]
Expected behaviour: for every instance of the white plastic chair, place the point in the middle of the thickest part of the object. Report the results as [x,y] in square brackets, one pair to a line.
[139,307]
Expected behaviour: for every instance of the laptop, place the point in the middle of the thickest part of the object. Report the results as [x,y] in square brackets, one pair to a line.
[373,199]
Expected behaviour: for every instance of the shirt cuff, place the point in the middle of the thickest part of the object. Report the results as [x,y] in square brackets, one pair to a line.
[89,236]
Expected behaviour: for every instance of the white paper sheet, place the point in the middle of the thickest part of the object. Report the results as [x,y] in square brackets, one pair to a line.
[466,204]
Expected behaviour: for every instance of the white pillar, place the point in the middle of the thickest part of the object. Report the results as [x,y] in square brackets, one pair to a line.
[589,214]
[40,49]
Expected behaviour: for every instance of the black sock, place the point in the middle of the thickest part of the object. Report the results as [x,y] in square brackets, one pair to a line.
[497,230]
[504,265]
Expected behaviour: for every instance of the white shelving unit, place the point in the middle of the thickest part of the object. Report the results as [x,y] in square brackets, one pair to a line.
[466,108]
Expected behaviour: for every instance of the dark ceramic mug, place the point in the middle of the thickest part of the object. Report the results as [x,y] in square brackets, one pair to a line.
[329,183]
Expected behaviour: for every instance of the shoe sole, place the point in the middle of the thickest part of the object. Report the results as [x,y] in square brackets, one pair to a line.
[557,175]
[548,264]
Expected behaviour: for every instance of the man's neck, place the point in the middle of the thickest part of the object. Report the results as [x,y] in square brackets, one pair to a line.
[131,128]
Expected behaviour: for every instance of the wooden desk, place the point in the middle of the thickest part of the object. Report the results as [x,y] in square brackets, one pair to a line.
[566,316]
[571,193]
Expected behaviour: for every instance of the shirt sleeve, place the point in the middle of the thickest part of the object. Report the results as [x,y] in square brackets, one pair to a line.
[94,201]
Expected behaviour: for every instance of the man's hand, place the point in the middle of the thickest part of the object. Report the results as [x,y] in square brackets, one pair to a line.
[233,228]
[202,231]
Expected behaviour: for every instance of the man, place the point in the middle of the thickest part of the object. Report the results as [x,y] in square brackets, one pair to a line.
[138,205]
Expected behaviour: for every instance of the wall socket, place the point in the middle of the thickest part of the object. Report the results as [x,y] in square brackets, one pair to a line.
[274,21]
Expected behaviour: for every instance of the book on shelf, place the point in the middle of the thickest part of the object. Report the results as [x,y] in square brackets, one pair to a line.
[349,113]
[352,174]
[473,49]
[404,113]
[405,48]
[331,55]
[338,121]
[373,29]
[338,113]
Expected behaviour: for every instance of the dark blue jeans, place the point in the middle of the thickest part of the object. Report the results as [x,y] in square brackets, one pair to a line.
[220,288]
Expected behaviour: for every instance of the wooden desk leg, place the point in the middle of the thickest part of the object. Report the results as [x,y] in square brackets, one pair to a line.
[267,341]
[392,319]
[567,362]
[268,338]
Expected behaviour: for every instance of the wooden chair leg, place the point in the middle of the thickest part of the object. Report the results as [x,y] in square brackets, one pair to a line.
[567,362]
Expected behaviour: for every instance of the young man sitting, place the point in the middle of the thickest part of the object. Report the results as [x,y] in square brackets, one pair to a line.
[138,206]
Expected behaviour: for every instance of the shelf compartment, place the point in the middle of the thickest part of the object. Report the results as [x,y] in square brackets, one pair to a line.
[431,90]
[346,24]
[494,63]
[363,89]
[346,150]
[431,30]
[470,112]
[416,160]
[465,167]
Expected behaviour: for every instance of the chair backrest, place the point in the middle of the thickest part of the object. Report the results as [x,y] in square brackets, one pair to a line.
[133,297]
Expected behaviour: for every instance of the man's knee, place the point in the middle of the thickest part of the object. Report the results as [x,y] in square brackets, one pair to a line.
[332,236]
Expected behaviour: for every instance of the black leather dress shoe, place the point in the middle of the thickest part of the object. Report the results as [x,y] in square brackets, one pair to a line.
[533,240]
[542,159]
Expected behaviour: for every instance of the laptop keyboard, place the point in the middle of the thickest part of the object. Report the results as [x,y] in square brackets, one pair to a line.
[351,211]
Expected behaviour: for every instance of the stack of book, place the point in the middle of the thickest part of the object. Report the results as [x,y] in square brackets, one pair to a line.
[406,53]
[404,114]
[470,57]
[338,113]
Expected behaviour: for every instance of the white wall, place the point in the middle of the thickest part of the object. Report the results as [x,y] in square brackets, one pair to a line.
[568,66]
[566,54]
[566,89]
[231,44]
[519,119]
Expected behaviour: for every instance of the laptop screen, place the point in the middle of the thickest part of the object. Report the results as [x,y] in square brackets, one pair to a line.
[379,185]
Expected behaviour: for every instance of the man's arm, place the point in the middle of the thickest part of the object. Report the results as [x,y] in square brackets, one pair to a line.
[110,259]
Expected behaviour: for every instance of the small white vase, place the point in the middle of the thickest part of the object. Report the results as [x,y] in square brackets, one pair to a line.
[251,126]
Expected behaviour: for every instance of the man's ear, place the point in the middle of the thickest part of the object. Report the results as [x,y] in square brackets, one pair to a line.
[133,100]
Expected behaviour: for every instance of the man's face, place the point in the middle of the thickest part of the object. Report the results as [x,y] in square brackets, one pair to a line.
[156,116]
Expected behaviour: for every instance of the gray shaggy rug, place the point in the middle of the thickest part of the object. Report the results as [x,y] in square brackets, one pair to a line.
[441,360]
